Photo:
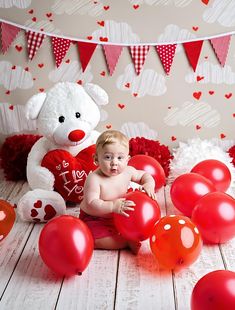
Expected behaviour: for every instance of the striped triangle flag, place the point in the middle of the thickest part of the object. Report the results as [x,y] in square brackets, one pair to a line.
[166,54]
[193,50]
[221,47]
[9,33]
[60,48]
[86,51]
[34,42]
[112,54]
[138,54]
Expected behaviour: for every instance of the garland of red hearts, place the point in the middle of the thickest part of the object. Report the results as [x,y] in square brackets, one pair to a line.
[112,52]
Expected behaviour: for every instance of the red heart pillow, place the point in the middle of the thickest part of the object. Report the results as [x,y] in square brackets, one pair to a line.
[70,172]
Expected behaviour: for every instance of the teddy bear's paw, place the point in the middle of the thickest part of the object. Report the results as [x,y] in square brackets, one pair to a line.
[40,206]
[41,178]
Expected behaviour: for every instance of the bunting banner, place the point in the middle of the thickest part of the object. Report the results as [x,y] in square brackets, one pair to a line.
[86,51]
[193,51]
[9,32]
[138,55]
[112,54]
[60,48]
[112,51]
[34,42]
[166,54]
[221,47]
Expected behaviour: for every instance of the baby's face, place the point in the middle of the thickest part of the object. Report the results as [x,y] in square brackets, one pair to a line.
[113,158]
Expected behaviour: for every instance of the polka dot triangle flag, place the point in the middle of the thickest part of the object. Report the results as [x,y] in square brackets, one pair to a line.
[60,48]
[138,54]
[193,50]
[221,46]
[34,42]
[166,54]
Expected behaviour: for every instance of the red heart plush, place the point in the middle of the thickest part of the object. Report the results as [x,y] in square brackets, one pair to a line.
[70,172]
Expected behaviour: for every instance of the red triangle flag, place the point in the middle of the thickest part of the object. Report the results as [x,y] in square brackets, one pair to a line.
[166,54]
[112,54]
[221,46]
[34,42]
[9,33]
[138,54]
[60,48]
[86,51]
[193,50]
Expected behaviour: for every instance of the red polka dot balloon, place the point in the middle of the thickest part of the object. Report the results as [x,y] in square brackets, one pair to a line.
[175,242]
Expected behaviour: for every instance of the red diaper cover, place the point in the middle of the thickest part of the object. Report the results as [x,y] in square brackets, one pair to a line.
[100,227]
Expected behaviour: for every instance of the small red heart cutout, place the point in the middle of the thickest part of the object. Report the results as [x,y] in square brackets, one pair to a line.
[50,212]
[222,135]
[211,92]
[121,106]
[228,96]
[173,138]
[38,204]
[199,78]
[127,85]
[34,213]
[197,95]
[198,127]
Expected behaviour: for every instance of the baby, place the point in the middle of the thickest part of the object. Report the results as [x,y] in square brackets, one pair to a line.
[105,188]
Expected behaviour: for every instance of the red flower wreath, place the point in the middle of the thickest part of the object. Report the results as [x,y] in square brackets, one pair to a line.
[160,152]
[14,154]
[231,152]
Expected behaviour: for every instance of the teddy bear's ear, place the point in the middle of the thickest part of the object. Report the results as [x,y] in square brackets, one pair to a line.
[34,105]
[97,93]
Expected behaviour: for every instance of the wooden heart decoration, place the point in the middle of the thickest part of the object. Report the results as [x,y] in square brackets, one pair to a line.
[70,172]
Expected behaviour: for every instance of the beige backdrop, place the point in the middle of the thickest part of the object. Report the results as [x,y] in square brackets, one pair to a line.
[152,104]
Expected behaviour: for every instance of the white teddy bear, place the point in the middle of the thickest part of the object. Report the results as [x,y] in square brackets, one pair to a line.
[66,117]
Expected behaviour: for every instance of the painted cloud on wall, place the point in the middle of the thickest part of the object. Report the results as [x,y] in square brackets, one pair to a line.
[222,12]
[132,130]
[20,4]
[71,72]
[177,3]
[14,76]
[13,120]
[193,114]
[82,7]
[211,73]
[148,82]
[116,32]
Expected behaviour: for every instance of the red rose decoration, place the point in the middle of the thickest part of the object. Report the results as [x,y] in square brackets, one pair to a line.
[160,152]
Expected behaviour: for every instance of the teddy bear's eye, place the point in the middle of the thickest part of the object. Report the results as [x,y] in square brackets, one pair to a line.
[61,119]
[77,114]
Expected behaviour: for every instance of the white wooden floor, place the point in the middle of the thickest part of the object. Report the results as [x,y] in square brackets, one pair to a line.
[113,279]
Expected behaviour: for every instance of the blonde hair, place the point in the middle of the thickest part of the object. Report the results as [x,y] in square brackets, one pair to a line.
[112,136]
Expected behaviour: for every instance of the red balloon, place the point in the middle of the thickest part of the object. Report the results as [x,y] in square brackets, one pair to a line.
[150,165]
[214,215]
[176,242]
[66,245]
[187,189]
[216,171]
[139,225]
[7,218]
[214,291]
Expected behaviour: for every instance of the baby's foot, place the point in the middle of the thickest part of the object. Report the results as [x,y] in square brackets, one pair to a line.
[134,246]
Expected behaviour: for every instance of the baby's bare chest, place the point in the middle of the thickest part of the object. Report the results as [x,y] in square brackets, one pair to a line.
[113,188]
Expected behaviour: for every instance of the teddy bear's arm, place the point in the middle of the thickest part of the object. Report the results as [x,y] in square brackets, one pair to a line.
[39,177]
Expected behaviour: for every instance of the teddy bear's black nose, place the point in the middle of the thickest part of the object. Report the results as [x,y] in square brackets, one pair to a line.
[76,135]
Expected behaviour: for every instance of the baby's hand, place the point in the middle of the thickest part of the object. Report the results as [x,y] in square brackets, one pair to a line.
[122,205]
[149,190]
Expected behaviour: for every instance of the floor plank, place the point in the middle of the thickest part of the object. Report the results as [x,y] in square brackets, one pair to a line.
[141,285]
[95,288]
[209,259]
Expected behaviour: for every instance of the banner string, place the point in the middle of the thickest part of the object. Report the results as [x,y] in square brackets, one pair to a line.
[112,43]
